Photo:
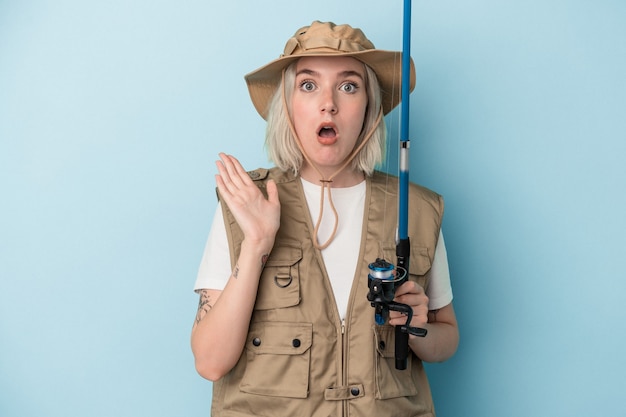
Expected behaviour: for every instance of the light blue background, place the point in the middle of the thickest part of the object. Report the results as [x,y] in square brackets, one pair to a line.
[113,112]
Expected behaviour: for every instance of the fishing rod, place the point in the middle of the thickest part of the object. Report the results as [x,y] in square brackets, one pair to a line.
[383,279]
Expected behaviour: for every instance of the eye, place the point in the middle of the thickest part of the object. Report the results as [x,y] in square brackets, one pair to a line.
[349,87]
[307,85]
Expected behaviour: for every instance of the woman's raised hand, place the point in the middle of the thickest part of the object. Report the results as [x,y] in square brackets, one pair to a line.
[258,216]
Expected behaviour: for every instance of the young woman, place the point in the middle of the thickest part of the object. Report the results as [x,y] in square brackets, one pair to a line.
[285,328]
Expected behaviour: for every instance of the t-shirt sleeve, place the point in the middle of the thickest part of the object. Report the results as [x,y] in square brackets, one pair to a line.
[215,270]
[440,289]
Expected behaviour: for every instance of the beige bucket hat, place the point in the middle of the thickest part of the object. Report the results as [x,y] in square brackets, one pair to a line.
[328,39]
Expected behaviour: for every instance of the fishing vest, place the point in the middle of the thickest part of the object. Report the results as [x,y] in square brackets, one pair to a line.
[300,359]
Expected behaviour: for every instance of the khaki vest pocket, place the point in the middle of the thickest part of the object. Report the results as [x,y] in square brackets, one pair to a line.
[279,285]
[278,359]
[391,382]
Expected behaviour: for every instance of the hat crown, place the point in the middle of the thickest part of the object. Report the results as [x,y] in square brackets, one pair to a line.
[327,37]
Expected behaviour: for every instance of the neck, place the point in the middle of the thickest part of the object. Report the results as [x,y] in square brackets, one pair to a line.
[345,178]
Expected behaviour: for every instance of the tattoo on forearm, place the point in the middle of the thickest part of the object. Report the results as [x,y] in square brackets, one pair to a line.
[263,262]
[204,305]
[432,315]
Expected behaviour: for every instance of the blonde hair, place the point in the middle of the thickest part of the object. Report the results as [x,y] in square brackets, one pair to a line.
[281,145]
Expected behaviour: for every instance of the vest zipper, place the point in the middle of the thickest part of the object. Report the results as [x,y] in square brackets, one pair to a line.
[344,376]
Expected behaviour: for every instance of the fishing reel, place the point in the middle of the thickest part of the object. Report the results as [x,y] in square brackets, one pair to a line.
[383,280]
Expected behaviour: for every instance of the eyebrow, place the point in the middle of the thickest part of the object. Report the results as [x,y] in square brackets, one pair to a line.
[343,74]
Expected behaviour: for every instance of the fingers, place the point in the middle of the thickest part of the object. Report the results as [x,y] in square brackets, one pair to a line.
[233,181]
[231,173]
[413,295]
[409,289]
[258,216]
[272,192]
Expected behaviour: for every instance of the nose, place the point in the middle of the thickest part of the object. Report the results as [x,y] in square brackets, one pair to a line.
[328,104]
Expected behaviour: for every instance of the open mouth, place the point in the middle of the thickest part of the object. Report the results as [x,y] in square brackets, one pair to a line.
[327,131]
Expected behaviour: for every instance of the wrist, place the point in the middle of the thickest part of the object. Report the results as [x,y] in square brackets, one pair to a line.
[258,247]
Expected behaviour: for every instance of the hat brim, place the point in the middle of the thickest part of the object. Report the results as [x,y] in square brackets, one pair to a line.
[263,82]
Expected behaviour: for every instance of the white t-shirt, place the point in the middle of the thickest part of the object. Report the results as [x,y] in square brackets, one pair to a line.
[340,257]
